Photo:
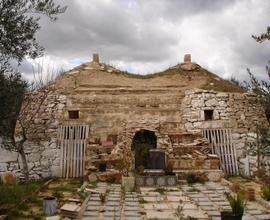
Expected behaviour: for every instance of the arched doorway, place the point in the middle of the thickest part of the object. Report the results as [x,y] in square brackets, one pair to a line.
[142,142]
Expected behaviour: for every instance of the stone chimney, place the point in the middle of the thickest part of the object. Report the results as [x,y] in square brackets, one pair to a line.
[187,64]
[187,58]
[95,58]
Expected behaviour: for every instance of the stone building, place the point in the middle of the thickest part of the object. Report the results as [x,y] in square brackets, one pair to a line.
[110,112]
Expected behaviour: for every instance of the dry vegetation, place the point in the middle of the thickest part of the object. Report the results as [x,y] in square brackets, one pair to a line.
[199,78]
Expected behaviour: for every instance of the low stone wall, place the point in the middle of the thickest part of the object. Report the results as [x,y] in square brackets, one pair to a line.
[9,160]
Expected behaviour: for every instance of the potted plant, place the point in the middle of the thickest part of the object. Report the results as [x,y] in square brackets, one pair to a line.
[237,203]
[250,194]
[265,192]
[123,165]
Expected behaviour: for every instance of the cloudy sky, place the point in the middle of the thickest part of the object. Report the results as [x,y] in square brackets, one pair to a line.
[145,36]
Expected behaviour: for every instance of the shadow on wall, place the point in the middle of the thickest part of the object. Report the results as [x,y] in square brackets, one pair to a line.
[143,141]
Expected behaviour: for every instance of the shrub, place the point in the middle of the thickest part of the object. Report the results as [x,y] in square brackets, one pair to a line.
[237,202]
[265,192]
[140,170]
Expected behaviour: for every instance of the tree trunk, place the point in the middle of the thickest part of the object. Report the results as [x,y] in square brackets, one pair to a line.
[24,162]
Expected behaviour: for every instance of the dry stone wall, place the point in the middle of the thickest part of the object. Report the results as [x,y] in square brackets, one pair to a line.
[239,112]
[115,114]
[41,148]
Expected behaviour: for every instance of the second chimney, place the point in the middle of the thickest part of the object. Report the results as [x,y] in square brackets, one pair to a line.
[95,58]
[187,58]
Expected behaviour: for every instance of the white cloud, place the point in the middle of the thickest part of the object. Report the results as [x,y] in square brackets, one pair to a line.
[148,36]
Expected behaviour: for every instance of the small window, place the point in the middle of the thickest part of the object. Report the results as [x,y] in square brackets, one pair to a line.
[73,114]
[208,115]
[102,167]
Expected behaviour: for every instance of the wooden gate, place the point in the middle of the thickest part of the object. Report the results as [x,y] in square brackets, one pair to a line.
[73,140]
[221,143]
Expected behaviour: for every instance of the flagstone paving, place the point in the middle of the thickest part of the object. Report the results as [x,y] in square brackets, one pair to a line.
[200,201]
[210,197]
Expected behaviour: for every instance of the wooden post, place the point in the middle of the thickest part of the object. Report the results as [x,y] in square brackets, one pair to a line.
[258,148]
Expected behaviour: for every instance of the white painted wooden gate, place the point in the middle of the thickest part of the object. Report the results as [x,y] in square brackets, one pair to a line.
[73,141]
[221,143]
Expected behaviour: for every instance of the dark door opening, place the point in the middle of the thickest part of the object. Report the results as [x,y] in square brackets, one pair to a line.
[142,142]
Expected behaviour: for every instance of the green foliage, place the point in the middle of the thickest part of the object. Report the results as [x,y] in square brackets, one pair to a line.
[264,36]
[69,187]
[14,194]
[122,165]
[19,22]
[237,202]
[140,169]
[261,87]
[23,207]
[58,194]
[12,91]
[265,193]
[193,190]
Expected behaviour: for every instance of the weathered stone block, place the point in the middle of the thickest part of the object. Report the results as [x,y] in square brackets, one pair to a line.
[8,178]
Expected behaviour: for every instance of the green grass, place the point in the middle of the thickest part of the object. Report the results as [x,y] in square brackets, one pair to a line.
[218,84]
[265,193]
[214,82]
[12,196]
[69,186]
[193,190]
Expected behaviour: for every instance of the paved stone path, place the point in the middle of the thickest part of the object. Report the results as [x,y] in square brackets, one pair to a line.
[210,198]
[117,205]
[164,205]
[200,201]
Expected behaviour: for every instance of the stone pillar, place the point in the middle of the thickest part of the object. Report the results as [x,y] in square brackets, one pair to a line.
[95,58]
[187,58]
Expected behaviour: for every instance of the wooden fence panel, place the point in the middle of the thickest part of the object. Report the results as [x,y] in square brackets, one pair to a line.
[73,141]
[221,144]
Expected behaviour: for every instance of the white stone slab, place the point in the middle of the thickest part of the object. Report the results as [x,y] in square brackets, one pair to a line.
[194,214]
[149,199]
[174,198]
[148,206]
[165,215]
[53,218]
[161,206]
